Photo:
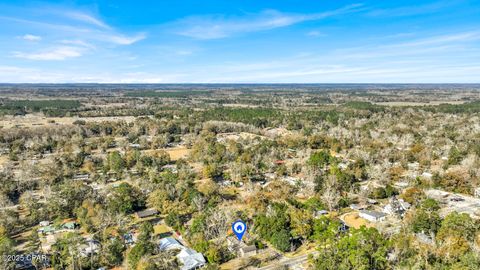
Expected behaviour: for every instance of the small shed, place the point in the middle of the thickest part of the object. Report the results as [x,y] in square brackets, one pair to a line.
[146,213]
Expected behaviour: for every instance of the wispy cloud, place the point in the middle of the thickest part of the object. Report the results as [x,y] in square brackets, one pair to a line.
[441,39]
[122,39]
[57,53]
[445,44]
[216,27]
[75,25]
[87,18]
[30,37]
[78,42]
[67,34]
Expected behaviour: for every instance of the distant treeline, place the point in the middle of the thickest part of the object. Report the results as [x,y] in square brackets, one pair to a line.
[471,107]
[271,117]
[166,94]
[51,107]
[259,117]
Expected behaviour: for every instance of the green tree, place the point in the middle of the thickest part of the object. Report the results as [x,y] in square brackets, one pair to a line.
[459,225]
[325,230]
[65,252]
[320,159]
[112,252]
[125,199]
[281,240]
[362,249]
[115,161]
[140,250]
[6,248]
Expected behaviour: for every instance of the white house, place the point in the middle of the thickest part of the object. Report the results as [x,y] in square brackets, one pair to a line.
[189,258]
[44,223]
[169,243]
[90,247]
[396,206]
[372,216]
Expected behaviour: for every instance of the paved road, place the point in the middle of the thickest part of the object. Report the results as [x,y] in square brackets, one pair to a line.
[289,261]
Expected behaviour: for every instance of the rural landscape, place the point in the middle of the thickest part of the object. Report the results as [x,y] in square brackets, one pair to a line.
[239,135]
[326,176]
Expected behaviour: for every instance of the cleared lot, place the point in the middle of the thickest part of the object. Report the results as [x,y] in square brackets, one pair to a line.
[455,202]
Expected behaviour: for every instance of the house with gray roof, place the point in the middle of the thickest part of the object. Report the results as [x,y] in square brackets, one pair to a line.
[189,258]
[373,216]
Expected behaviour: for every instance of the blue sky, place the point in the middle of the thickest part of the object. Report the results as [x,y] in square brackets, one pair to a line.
[240,41]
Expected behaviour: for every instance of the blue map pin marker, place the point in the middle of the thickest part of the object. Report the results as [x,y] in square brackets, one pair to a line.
[239,228]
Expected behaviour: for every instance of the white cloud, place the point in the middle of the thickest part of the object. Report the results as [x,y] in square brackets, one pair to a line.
[123,40]
[30,37]
[450,38]
[77,42]
[84,17]
[76,25]
[215,27]
[58,53]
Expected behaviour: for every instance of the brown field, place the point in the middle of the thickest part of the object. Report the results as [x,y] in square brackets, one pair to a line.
[37,120]
[177,152]
[353,220]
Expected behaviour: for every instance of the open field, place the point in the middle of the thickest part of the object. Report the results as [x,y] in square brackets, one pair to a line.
[32,120]
[178,152]
[353,220]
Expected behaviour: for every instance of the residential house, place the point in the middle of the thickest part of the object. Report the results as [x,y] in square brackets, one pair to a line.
[355,206]
[372,201]
[81,177]
[396,206]
[90,247]
[129,238]
[189,258]
[248,251]
[70,225]
[134,145]
[372,216]
[170,167]
[45,230]
[44,223]
[240,248]
[169,243]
